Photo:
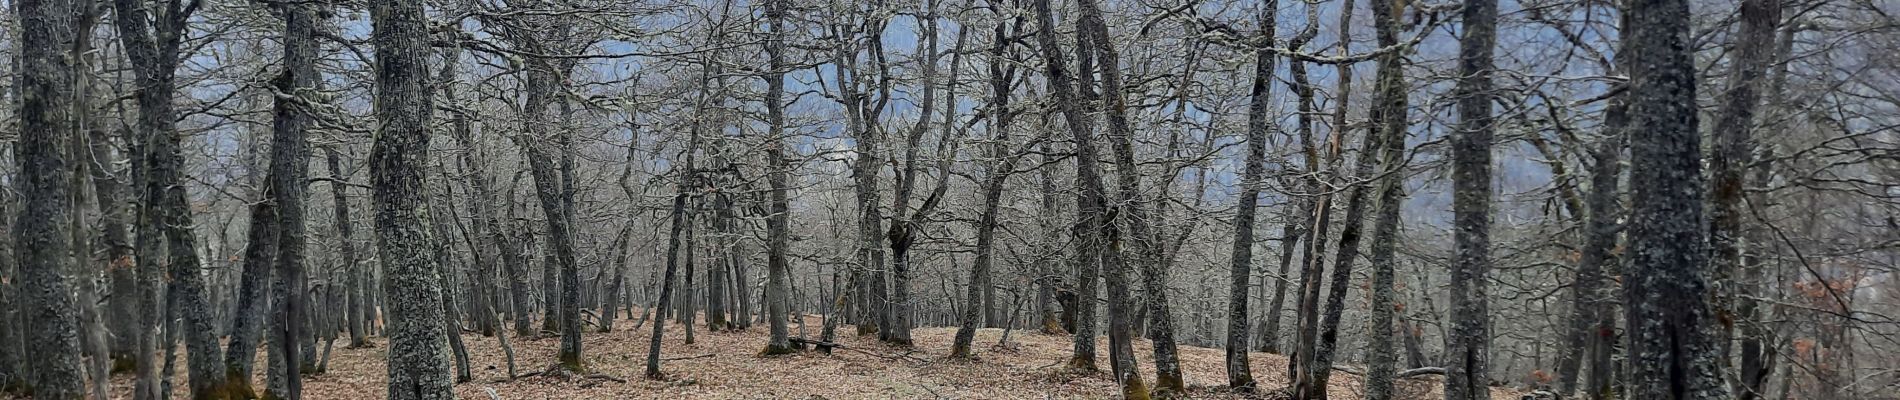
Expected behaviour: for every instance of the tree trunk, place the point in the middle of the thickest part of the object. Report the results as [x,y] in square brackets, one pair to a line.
[289,169]
[354,273]
[1146,253]
[43,234]
[1289,243]
[122,317]
[1315,364]
[1388,117]
[13,373]
[1317,369]
[259,255]
[1313,255]
[677,246]
[1754,51]
[152,48]
[548,189]
[674,247]
[1673,355]
[1239,370]
[418,363]
[451,313]
[777,224]
[1467,340]
[1094,203]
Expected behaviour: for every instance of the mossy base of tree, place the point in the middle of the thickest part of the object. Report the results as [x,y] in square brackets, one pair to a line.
[122,365]
[1170,388]
[961,352]
[1084,365]
[568,366]
[237,386]
[1134,389]
[16,387]
[1052,327]
[777,350]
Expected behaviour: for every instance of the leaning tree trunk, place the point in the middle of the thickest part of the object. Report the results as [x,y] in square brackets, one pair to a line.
[1313,254]
[43,234]
[675,247]
[548,189]
[992,192]
[418,361]
[152,47]
[1147,254]
[1098,240]
[240,354]
[1315,365]
[1239,370]
[1388,117]
[1666,290]
[666,287]
[289,169]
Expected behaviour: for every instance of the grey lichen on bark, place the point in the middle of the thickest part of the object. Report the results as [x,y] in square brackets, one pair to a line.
[418,361]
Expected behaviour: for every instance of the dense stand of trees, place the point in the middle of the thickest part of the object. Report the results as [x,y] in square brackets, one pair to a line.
[1505,194]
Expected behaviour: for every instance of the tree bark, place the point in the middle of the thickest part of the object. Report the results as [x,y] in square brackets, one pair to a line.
[1467,341]
[289,169]
[246,329]
[1733,151]
[1239,369]
[356,276]
[1146,253]
[674,247]
[1103,240]
[108,187]
[43,235]
[778,223]
[418,363]
[991,188]
[1673,354]
[13,373]
[548,189]
[1388,117]
[152,46]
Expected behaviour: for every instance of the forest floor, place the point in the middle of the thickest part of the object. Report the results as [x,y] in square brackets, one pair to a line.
[726,365]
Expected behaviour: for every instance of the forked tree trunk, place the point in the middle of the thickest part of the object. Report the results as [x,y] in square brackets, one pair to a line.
[152,47]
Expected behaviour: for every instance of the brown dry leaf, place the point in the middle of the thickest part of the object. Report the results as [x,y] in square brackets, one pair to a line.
[725,365]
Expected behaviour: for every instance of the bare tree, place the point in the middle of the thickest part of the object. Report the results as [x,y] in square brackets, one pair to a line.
[1673,353]
[418,362]
[1467,342]
[43,234]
